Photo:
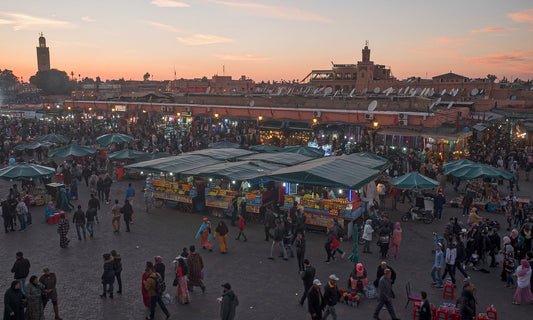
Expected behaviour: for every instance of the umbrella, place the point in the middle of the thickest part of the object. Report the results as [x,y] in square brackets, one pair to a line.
[54,138]
[456,164]
[126,154]
[108,139]
[34,145]
[223,144]
[413,180]
[354,257]
[479,170]
[71,150]
[26,171]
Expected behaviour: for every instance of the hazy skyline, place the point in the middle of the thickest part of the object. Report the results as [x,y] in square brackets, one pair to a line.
[267,40]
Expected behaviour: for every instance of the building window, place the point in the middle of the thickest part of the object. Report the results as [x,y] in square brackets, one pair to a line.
[337,88]
[362,74]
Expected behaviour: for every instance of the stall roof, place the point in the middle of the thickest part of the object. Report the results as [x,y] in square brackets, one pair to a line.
[239,171]
[333,172]
[304,150]
[272,125]
[174,164]
[367,160]
[284,158]
[265,148]
[223,144]
[223,154]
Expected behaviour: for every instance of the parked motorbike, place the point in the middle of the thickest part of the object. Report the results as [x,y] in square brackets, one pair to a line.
[416,213]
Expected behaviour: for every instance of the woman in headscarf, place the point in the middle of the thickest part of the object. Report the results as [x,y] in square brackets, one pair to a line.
[13,306]
[148,269]
[222,233]
[358,278]
[182,293]
[159,266]
[367,235]
[34,289]
[65,204]
[523,288]
[74,189]
[396,240]
[50,210]
[204,233]
[62,229]
[508,261]
[528,235]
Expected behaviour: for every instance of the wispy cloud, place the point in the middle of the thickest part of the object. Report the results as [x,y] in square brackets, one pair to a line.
[489,30]
[162,26]
[516,56]
[202,39]
[277,12]
[454,41]
[525,16]
[87,19]
[70,44]
[246,57]
[169,4]
[21,21]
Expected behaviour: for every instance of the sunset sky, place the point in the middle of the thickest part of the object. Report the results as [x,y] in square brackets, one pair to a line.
[268,39]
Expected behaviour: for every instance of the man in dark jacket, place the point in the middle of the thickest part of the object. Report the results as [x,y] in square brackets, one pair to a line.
[79,221]
[21,269]
[108,276]
[381,271]
[331,297]
[308,275]
[269,222]
[495,246]
[385,295]
[315,300]
[279,231]
[468,302]
[299,244]
[49,281]
[424,313]
[91,216]
[228,303]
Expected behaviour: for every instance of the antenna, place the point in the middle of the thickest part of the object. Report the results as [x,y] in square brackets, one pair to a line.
[372,106]
[223,69]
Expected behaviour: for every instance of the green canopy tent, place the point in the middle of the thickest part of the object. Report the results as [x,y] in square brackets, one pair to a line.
[371,155]
[108,139]
[222,154]
[361,159]
[456,164]
[306,151]
[265,148]
[74,150]
[223,144]
[173,164]
[235,171]
[284,158]
[34,145]
[414,180]
[333,172]
[54,138]
[136,156]
[26,171]
[479,170]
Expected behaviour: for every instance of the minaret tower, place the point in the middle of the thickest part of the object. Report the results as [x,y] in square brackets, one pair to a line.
[43,55]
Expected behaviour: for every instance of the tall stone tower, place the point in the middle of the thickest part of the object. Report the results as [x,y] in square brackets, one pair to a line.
[365,70]
[43,55]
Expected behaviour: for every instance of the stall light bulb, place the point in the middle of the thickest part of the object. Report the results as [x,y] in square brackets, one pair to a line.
[233,182]
[340,191]
[141,172]
[210,179]
[284,184]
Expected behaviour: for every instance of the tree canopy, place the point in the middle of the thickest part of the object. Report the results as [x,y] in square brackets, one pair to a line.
[52,82]
[7,79]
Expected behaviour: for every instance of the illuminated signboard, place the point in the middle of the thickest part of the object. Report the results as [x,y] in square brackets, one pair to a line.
[120,108]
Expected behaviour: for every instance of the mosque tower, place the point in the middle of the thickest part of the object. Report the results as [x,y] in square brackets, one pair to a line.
[43,55]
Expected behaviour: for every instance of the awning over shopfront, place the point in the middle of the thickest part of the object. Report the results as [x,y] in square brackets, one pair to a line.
[301,126]
[174,164]
[223,154]
[334,172]
[272,125]
[284,158]
[235,171]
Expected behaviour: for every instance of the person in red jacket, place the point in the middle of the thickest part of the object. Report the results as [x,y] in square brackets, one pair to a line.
[241,229]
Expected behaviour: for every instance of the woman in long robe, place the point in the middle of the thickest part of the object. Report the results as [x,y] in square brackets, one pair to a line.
[35,310]
[182,292]
[65,204]
[204,233]
[62,229]
[13,306]
[146,298]
[222,233]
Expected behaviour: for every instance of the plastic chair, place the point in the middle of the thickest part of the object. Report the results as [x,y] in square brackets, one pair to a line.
[411,296]
[416,309]
[492,313]
[448,291]
[442,314]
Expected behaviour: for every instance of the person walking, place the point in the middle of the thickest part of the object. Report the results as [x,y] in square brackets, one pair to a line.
[221,232]
[424,311]
[115,220]
[438,204]
[22,210]
[204,233]
[307,275]
[127,210]
[449,260]
[6,215]
[159,266]
[148,200]
[195,266]
[107,187]
[367,236]
[79,221]
[21,269]
[299,243]
[117,268]
[508,261]
[182,292]
[13,302]
[228,303]
[108,276]
[241,228]
[385,295]
[437,267]
[155,296]
[315,301]
[278,241]
[130,194]
[396,241]
[523,288]
[49,281]
[148,269]
[468,302]
[62,229]
[331,245]
[34,300]
[100,188]
[234,207]
[331,297]
[91,216]
[269,223]
[94,203]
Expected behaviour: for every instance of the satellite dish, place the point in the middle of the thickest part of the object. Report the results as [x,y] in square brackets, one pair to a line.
[372,105]
[352,92]
[400,91]
[328,91]
[252,103]
[474,92]
[279,91]
[443,92]
[438,101]
[412,92]
[455,92]
[208,90]
[481,91]
[423,92]
[450,105]
[320,89]
[376,90]
[365,90]
[406,90]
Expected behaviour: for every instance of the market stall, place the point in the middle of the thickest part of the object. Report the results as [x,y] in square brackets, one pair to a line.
[167,189]
[29,173]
